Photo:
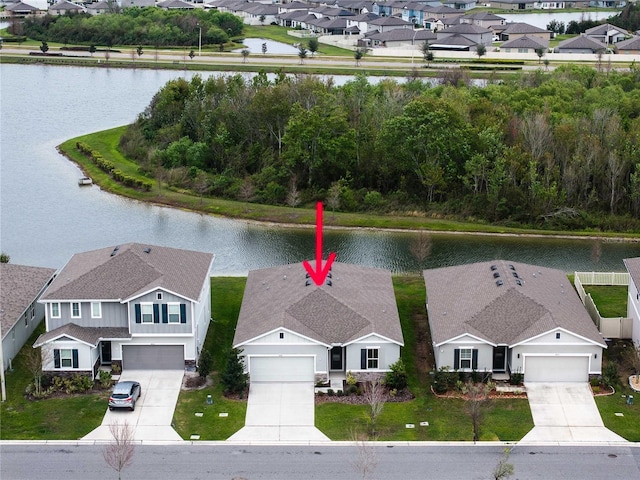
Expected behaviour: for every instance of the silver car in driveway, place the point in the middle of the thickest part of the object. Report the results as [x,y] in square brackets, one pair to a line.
[124,395]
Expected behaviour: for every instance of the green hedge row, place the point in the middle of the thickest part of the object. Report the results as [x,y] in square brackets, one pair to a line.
[108,167]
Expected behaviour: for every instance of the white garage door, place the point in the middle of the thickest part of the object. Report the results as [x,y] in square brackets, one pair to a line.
[556,369]
[153,357]
[281,369]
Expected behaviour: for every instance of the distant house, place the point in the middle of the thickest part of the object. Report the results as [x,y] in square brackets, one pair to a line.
[483,19]
[292,330]
[64,7]
[140,306]
[398,38]
[629,47]
[175,5]
[22,9]
[460,4]
[514,4]
[633,299]
[361,22]
[258,14]
[137,3]
[20,312]
[474,34]
[386,24]
[504,317]
[98,8]
[513,30]
[607,33]
[580,44]
[524,44]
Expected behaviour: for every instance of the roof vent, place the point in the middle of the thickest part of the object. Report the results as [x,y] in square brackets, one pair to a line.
[115,250]
[515,274]
[499,283]
[496,274]
[147,250]
[306,275]
[330,283]
[494,268]
[519,282]
[512,267]
[307,283]
[329,275]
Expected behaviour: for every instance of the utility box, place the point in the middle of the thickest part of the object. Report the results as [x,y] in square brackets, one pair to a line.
[629,399]
[209,400]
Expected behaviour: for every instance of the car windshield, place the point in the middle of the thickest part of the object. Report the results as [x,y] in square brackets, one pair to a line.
[120,395]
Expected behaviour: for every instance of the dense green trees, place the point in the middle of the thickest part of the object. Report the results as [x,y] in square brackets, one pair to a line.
[136,26]
[560,149]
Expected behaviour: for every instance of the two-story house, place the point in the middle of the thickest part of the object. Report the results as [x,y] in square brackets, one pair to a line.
[139,306]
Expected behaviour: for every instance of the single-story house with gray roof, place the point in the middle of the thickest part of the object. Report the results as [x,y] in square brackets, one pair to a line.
[20,312]
[629,47]
[290,329]
[580,44]
[139,306]
[525,44]
[633,300]
[505,317]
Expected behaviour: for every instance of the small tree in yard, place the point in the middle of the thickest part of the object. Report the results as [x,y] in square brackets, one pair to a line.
[313,45]
[119,453]
[374,396]
[302,53]
[481,50]
[396,379]
[358,55]
[366,461]
[233,378]
[540,52]
[205,363]
[35,359]
[477,403]
[44,47]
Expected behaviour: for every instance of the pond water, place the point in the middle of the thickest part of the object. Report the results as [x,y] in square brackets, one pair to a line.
[255,45]
[45,217]
[541,20]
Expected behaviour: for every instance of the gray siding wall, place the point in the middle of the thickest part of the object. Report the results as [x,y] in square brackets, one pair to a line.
[387,355]
[320,352]
[445,355]
[15,338]
[114,314]
[595,364]
[159,328]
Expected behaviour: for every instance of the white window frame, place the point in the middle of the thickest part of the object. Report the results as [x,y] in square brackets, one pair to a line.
[55,310]
[95,314]
[64,358]
[373,358]
[79,315]
[463,358]
[175,314]
[143,312]
[26,319]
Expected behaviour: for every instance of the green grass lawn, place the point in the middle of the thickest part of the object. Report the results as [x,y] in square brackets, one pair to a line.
[279,34]
[68,418]
[611,300]
[627,426]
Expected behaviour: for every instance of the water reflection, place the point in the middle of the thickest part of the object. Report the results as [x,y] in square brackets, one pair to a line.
[255,46]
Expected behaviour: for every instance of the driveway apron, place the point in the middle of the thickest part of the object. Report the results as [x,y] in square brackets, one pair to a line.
[280,412]
[152,417]
[565,412]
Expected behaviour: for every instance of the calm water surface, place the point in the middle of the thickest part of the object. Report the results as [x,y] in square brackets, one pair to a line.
[45,217]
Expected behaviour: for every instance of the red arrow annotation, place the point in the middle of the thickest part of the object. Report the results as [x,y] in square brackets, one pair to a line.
[320,273]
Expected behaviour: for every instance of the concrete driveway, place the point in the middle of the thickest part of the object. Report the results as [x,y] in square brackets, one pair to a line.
[152,417]
[565,412]
[280,412]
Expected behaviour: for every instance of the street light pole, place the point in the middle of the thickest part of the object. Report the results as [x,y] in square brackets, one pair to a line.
[200,40]
[413,44]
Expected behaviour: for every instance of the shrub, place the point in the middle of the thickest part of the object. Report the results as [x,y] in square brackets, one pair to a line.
[351,378]
[610,374]
[516,378]
[205,363]
[330,392]
[233,378]
[445,380]
[104,378]
[396,379]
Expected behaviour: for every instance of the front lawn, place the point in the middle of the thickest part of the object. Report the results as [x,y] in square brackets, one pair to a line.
[627,425]
[63,418]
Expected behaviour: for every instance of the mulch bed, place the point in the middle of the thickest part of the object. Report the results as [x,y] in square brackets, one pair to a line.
[492,394]
[354,399]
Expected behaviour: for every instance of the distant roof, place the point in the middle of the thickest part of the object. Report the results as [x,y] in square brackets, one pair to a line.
[65,5]
[483,16]
[633,267]
[360,302]
[466,28]
[175,4]
[520,28]
[526,41]
[20,286]
[88,335]
[389,21]
[21,7]
[631,44]
[488,301]
[604,29]
[399,34]
[123,272]
[582,42]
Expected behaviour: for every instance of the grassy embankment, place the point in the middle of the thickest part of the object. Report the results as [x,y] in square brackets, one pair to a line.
[106,142]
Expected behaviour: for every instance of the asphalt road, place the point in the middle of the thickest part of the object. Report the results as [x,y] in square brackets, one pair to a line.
[214,461]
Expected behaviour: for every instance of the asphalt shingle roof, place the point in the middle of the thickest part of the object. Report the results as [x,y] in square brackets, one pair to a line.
[581,42]
[90,335]
[633,267]
[520,28]
[631,44]
[109,274]
[466,299]
[526,41]
[360,302]
[19,287]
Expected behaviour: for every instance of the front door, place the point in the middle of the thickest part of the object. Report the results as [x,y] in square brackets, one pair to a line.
[105,353]
[336,358]
[500,359]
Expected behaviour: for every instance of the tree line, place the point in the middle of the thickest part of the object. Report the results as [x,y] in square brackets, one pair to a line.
[137,26]
[558,149]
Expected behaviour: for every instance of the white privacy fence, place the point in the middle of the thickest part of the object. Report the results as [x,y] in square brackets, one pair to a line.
[616,327]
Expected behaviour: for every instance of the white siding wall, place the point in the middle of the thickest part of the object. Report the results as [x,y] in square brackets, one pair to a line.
[15,337]
[318,351]
[202,315]
[445,354]
[633,310]
[389,353]
[289,338]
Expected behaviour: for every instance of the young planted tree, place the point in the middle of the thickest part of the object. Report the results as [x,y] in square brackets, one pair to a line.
[540,52]
[192,54]
[139,51]
[119,453]
[205,363]
[358,55]
[366,460]
[313,45]
[245,54]
[233,378]
[374,396]
[44,47]
[92,49]
[293,196]
[481,50]
[477,404]
[35,360]
[302,53]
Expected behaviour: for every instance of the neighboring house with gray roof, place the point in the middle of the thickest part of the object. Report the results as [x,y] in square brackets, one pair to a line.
[633,301]
[398,38]
[580,44]
[20,312]
[525,44]
[64,7]
[140,306]
[629,47]
[292,330]
[607,33]
[513,30]
[506,317]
